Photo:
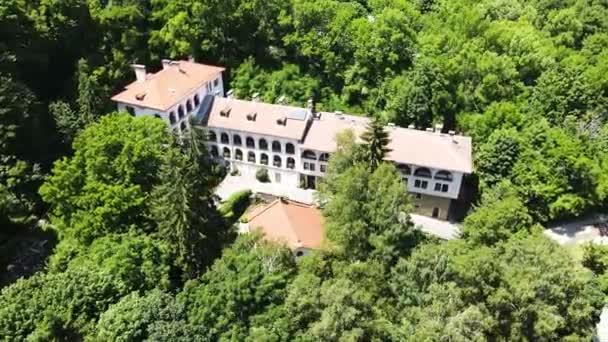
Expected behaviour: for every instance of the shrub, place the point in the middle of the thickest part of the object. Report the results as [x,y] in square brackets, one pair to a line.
[235,205]
[262,175]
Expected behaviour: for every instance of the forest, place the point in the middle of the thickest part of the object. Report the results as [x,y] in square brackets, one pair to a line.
[110,229]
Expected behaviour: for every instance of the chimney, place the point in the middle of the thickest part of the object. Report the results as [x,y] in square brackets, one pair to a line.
[191,59]
[452,133]
[411,126]
[140,72]
[166,63]
[312,105]
[230,94]
[430,129]
[255,97]
[391,124]
[438,128]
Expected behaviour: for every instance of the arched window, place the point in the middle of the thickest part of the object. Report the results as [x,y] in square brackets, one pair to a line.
[250,142]
[308,154]
[180,111]
[251,157]
[214,151]
[224,138]
[226,152]
[291,163]
[290,149]
[276,161]
[236,139]
[189,106]
[444,175]
[264,159]
[197,100]
[324,157]
[211,136]
[262,144]
[130,110]
[238,154]
[183,126]
[422,172]
[405,169]
[276,146]
[172,118]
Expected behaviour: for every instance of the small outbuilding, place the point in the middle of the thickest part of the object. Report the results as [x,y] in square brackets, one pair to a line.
[299,225]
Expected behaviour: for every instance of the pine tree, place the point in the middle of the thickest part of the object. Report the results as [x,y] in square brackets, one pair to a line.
[375,141]
[183,206]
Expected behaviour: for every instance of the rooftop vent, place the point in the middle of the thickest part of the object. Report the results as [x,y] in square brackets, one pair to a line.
[140,96]
[166,63]
[452,133]
[225,112]
[251,116]
[429,129]
[411,126]
[282,122]
[255,97]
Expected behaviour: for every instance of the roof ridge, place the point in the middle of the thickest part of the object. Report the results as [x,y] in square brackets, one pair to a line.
[270,205]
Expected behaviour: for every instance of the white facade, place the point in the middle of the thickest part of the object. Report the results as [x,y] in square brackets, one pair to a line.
[282,165]
[177,116]
[423,180]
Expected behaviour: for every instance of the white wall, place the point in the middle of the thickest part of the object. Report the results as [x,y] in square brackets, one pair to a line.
[453,190]
[289,177]
[201,91]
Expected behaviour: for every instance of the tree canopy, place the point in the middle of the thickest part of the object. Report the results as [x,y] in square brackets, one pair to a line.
[142,253]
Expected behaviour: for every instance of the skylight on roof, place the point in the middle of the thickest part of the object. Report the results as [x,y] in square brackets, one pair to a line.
[297,114]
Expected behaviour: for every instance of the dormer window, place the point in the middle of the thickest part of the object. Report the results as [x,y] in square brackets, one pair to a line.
[225,113]
[251,116]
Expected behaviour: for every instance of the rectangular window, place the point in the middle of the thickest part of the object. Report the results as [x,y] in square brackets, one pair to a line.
[312,167]
[277,177]
[322,167]
[444,188]
[417,183]
[306,166]
[418,196]
[404,179]
[425,184]
[216,82]
[437,186]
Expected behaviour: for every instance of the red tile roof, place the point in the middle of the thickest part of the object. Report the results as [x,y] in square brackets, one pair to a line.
[167,87]
[297,224]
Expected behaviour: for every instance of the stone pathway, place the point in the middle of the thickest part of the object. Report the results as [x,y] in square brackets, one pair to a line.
[578,231]
[232,184]
[442,229]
